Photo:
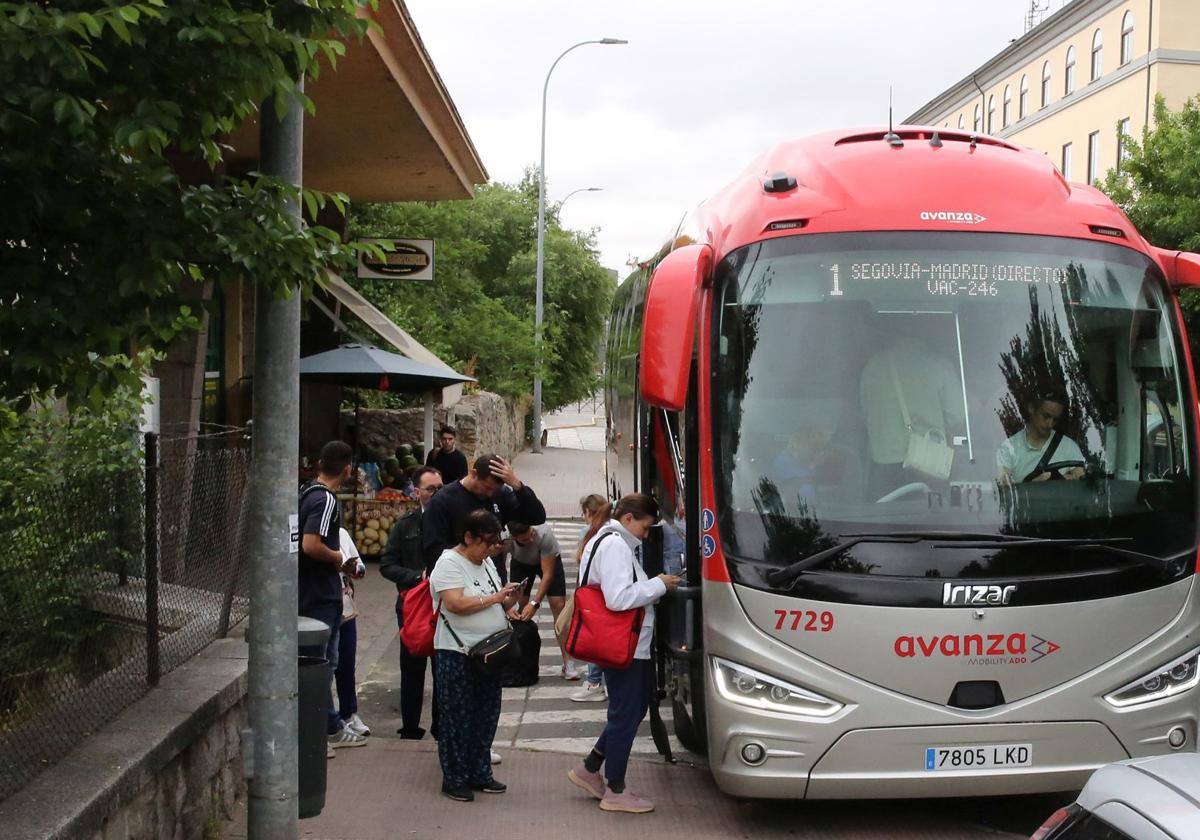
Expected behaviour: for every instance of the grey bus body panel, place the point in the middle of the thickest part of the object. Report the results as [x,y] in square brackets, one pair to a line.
[923,653]
[873,747]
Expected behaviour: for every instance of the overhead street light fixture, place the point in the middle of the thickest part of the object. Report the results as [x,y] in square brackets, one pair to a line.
[541,246]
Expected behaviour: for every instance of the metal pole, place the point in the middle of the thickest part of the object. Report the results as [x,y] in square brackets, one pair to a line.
[153,669]
[427,425]
[541,252]
[272,766]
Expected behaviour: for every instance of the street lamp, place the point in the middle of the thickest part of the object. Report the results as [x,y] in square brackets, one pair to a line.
[572,192]
[541,248]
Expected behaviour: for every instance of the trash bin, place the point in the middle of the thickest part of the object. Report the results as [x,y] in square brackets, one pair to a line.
[313,709]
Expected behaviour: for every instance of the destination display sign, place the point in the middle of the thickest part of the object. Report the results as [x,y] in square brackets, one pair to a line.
[972,279]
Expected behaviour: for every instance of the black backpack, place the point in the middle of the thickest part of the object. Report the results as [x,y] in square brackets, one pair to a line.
[523,670]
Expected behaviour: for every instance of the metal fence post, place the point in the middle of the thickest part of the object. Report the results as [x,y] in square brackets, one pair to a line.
[272,765]
[152,661]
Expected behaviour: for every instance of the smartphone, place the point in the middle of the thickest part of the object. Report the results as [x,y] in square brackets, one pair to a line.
[527,587]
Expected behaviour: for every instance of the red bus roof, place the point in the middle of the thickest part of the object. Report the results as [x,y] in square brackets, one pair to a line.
[859,181]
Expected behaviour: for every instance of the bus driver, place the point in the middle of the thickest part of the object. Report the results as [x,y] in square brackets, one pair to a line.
[1025,455]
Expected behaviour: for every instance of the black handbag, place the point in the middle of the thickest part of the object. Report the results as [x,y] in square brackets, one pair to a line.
[491,654]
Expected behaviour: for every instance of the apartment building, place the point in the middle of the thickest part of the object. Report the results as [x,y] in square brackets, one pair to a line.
[1073,84]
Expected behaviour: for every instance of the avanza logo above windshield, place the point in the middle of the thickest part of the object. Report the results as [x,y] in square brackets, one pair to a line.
[952,216]
[975,595]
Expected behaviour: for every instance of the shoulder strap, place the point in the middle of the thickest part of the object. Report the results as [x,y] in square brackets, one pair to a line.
[592,556]
[1047,456]
[899,392]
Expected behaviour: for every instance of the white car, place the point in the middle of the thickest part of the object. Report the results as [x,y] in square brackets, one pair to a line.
[1154,798]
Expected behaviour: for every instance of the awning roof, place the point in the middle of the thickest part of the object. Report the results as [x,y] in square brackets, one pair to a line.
[370,315]
[385,127]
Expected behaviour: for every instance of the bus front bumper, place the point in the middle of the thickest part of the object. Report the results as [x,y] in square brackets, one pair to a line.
[891,762]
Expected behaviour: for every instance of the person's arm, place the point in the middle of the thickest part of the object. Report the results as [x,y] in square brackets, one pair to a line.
[435,532]
[402,540]
[453,600]
[614,567]
[315,549]
[1004,463]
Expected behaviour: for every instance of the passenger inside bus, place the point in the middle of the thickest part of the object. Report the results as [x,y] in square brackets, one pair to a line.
[911,379]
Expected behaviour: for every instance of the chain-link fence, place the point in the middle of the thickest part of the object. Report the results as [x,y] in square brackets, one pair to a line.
[105,584]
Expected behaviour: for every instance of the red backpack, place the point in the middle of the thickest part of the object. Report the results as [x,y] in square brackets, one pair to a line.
[420,620]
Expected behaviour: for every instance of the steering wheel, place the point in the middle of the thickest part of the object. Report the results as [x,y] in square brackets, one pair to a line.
[911,487]
[1053,468]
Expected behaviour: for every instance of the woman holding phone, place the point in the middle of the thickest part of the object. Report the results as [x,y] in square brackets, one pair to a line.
[472,602]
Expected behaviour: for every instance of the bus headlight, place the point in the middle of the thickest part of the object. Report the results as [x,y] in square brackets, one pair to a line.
[748,687]
[1173,678]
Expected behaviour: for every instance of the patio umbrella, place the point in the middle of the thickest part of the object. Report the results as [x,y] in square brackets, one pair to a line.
[362,366]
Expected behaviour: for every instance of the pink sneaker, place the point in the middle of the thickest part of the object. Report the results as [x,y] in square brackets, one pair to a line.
[593,783]
[629,802]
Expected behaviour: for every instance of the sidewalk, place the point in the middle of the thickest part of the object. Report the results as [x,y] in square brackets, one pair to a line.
[561,476]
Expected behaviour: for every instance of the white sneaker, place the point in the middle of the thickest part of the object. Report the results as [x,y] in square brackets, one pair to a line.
[589,693]
[496,759]
[355,724]
[345,738]
[570,672]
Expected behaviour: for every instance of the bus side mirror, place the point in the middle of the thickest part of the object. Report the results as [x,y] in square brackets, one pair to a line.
[669,325]
[1181,267]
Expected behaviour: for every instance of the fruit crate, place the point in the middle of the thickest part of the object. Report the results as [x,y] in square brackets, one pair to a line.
[370,521]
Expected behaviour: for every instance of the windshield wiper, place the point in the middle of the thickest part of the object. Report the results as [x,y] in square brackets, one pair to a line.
[958,539]
[778,577]
[1108,545]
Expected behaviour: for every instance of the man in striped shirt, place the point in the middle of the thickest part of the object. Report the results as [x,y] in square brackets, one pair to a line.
[320,563]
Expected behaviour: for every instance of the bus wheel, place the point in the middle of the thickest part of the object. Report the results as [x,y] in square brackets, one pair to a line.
[691,725]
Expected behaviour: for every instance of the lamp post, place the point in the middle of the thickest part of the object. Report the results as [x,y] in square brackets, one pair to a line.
[541,248]
[572,192]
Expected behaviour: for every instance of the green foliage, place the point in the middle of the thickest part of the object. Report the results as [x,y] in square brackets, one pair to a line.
[70,502]
[112,195]
[478,312]
[1158,186]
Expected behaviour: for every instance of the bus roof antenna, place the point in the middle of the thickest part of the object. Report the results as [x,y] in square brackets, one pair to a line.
[892,137]
[936,140]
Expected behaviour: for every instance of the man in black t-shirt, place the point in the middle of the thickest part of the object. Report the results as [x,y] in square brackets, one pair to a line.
[446,459]
[320,564]
[492,485]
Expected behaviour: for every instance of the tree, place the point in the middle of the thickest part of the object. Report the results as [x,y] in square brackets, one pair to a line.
[104,108]
[478,312]
[1158,185]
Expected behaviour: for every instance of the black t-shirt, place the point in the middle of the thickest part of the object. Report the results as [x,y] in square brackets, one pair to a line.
[320,513]
[452,465]
[447,509]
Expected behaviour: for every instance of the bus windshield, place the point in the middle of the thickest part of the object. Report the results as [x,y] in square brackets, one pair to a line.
[1004,386]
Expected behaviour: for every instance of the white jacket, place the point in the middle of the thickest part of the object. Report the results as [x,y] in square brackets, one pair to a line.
[622,579]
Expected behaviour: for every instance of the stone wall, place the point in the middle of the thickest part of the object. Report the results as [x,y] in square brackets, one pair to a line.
[193,794]
[486,422]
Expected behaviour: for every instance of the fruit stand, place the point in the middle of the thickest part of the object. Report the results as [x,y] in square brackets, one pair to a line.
[370,521]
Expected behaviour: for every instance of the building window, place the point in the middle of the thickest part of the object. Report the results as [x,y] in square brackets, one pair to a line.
[1045,84]
[1127,38]
[991,123]
[1097,55]
[1093,166]
[1122,145]
[1069,73]
[1023,99]
[978,119]
[1006,109]
[962,122]
[1066,161]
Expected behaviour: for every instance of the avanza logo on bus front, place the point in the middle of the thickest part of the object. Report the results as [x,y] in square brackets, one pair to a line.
[952,216]
[978,648]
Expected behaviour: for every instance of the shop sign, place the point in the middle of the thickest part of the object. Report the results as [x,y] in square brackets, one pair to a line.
[408,259]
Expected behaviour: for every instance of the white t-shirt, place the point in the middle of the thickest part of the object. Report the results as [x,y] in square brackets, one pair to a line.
[453,571]
[1019,458]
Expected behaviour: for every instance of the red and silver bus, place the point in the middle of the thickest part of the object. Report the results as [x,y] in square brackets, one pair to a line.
[841,377]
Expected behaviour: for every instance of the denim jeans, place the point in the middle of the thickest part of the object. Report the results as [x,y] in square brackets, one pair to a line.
[330,614]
